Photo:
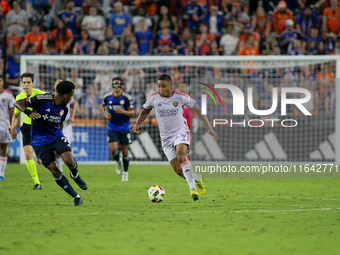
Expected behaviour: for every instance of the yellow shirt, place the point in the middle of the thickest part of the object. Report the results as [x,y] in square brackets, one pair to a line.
[22,95]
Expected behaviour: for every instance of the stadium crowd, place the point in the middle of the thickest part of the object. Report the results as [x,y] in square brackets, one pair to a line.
[169,28]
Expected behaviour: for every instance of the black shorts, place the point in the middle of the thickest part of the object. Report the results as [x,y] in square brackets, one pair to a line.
[124,137]
[46,151]
[26,134]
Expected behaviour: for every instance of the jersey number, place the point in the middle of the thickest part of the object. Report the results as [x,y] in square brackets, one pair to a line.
[64,139]
[129,137]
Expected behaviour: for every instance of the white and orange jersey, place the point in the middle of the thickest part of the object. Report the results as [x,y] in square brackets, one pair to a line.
[169,112]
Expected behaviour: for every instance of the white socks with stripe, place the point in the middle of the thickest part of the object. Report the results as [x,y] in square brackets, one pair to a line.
[3,164]
[188,174]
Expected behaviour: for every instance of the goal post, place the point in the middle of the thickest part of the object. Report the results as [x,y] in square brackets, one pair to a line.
[245,136]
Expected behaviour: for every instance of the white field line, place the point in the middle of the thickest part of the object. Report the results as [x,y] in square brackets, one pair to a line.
[176,212]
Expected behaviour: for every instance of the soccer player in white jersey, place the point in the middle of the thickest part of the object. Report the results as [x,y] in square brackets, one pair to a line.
[174,132]
[6,108]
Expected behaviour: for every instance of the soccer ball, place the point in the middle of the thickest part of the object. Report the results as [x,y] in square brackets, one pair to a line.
[156,193]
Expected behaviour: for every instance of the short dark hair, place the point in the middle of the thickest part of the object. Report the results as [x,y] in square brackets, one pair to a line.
[65,87]
[118,78]
[165,77]
[29,75]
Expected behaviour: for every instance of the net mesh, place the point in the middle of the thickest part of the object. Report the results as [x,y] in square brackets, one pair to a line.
[246,137]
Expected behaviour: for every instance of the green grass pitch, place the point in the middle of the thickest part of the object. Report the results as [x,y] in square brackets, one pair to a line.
[235,216]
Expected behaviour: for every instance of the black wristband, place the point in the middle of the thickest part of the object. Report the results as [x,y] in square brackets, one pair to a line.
[28,112]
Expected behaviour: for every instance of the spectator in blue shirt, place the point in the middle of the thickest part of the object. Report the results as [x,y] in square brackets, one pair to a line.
[214,20]
[144,38]
[119,20]
[288,36]
[306,20]
[311,42]
[71,19]
[194,14]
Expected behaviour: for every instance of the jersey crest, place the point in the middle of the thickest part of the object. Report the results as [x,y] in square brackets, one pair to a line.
[175,103]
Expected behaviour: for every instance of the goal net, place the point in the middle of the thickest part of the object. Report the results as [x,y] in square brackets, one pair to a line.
[267,108]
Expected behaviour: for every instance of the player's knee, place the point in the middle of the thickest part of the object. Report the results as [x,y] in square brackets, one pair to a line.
[69,162]
[28,155]
[54,171]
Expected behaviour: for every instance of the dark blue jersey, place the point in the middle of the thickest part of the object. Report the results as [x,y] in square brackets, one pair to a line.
[118,122]
[47,128]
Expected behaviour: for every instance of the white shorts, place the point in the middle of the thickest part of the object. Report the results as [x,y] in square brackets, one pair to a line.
[5,137]
[169,146]
[68,132]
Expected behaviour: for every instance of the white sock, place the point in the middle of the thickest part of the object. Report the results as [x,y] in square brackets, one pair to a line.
[59,163]
[196,176]
[188,174]
[3,164]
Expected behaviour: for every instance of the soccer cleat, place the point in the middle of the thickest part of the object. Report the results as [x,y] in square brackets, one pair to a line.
[2,179]
[194,194]
[37,187]
[200,185]
[81,183]
[77,201]
[125,177]
[119,166]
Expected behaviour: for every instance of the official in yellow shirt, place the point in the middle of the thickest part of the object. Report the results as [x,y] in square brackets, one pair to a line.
[27,82]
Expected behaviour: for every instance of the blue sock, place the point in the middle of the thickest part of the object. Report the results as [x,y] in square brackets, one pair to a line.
[74,170]
[126,161]
[116,156]
[65,185]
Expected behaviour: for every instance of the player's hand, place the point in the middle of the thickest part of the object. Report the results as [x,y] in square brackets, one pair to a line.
[119,110]
[108,116]
[35,115]
[213,133]
[136,129]
[13,131]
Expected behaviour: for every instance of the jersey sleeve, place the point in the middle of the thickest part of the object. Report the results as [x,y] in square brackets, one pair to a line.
[129,102]
[104,101]
[149,104]
[65,114]
[35,102]
[188,101]
[11,102]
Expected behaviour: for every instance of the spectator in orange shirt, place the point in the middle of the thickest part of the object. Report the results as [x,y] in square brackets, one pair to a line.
[261,21]
[248,49]
[280,15]
[204,39]
[62,37]
[6,8]
[14,39]
[39,39]
[331,18]
[248,31]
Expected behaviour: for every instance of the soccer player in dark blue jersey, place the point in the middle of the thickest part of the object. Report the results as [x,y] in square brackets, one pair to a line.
[119,110]
[49,112]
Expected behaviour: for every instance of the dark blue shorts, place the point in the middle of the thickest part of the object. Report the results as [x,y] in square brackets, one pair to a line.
[46,152]
[124,137]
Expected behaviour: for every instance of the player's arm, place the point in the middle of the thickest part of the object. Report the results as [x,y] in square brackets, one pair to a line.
[74,109]
[14,123]
[22,106]
[13,126]
[107,116]
[205,120]
[141,117]
[129,112]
